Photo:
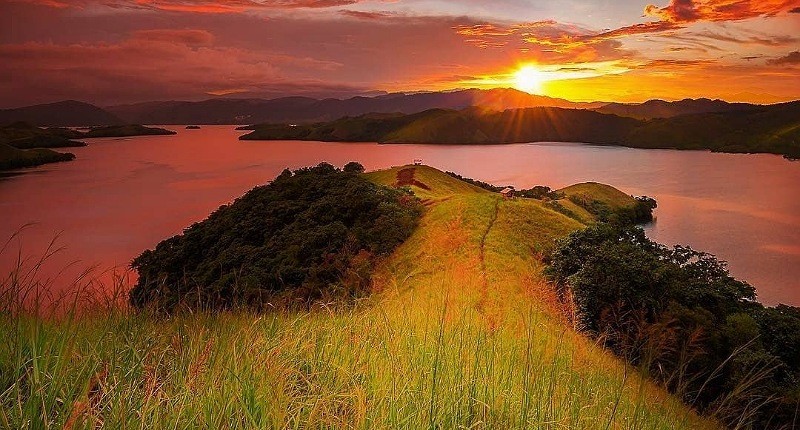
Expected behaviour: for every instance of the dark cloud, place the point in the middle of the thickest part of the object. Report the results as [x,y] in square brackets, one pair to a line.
[789,59]
[188,37]
[367,15]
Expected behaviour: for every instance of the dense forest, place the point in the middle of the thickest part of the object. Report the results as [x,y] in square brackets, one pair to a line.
[315,233]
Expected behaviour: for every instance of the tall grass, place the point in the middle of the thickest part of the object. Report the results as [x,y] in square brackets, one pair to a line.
[429,350]
[439,344]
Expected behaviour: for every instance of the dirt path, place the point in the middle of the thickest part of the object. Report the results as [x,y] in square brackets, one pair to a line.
[405,177]
[483,242]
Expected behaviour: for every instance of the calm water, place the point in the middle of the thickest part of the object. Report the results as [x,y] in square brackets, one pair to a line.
[122,196]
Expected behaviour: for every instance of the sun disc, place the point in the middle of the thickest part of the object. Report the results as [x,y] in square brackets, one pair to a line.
[528,79]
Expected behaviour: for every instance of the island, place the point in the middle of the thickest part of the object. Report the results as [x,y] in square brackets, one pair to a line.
[25,145]
[193,127]
[771,129]
[126,131]
[13,158]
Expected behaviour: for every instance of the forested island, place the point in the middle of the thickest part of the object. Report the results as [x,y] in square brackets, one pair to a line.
[25,145]
[763,129]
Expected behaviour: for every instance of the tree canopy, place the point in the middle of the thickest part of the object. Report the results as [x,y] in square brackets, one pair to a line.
[310,234]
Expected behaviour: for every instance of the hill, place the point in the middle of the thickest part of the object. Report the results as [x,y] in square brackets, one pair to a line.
[773,129]
[467,126]
[22,135]
[69,113]
[461,331]
[13,158]
[304,109]
[126,131]
[663,109]
[765,129]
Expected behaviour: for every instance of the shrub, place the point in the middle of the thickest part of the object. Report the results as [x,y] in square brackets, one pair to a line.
[680,315]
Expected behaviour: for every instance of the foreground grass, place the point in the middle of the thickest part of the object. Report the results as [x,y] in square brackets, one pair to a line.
[461,333]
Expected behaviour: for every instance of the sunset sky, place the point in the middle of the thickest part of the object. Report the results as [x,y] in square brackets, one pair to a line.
[122,51]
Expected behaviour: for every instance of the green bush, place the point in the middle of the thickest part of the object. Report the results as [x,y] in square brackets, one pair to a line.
[311,234]
[683,318]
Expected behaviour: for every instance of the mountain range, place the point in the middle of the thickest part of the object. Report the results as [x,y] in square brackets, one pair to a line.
[307,110]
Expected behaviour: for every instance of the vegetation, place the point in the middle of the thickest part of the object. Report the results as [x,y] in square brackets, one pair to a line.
[538,192]
[480,184]
[679,315]
[13,158]
[608,204]
[460,331]
[748,129]
[125,131]
[19,136]
[311,234]
[468,126]
[773,129]
[22,135]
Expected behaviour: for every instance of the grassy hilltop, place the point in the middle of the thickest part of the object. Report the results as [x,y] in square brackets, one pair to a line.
[461,331]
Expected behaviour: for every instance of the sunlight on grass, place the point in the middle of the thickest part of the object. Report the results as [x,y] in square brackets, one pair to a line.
[441,344]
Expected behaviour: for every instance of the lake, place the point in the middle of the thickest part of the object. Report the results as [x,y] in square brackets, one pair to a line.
[121,196]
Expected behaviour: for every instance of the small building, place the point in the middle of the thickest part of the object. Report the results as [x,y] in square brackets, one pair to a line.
[507,193]
[417,161]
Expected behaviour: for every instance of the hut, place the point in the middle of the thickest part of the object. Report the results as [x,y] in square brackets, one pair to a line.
[507,193]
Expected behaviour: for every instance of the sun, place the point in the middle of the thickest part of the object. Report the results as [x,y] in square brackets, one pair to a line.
[529,79]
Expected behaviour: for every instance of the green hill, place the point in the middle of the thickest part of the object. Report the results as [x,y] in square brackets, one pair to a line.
[757,129]
[773,129]
[467,126]
[461,331]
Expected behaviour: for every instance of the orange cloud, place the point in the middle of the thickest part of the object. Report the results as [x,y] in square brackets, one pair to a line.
[686,11]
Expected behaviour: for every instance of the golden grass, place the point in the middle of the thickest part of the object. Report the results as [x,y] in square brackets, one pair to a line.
[462,332]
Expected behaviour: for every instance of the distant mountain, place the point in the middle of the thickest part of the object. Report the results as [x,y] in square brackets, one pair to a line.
[663,109]
[69,113]
[304,109]
[467,126]
[766,129]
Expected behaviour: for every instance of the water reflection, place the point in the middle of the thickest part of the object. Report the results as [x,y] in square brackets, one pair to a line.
[124,195]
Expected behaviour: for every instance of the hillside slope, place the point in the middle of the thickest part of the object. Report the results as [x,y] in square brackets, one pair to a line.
[460,332]
[466,126]
[763,129]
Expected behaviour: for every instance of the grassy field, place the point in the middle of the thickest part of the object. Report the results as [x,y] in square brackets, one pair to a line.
[461,332]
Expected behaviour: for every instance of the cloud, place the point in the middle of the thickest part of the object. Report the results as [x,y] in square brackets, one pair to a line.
[155,64]
[195,6]
[484,30]
[358,14]
[546,41]
[688,11]
[188,37]
[789,59]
